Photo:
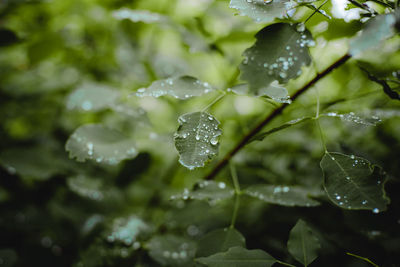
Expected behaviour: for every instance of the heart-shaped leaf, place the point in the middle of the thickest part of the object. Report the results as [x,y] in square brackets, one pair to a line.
[179,87]
[303,245]
[96,142]
[219,240]
[278,55]
[239,257]
[283,195]
[353,183]
[197,139]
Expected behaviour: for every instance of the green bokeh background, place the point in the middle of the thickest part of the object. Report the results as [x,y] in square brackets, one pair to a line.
[55,211]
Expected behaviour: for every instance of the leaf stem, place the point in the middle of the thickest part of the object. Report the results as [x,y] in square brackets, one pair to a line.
[218,98]
[284,263]
[321,134]
[362,258]
[317,122]
[275,113]
[237,194]
[315,11]
[235,179]
[318,104]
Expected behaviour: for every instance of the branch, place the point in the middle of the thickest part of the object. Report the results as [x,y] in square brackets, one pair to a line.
[276,112]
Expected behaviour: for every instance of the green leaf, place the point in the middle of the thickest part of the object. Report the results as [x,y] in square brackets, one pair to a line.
[261,136]
[96,142]
[263,11]
[278,55]
[283,195]
[139,16]
[219,240]
[44,47]
[172,250]
[86,187]
[303,245]
[195,42]
[126,230]
[179,87]
[353,183]
[210,191]
[239,257]
[8,257]
[377,30]
[273,91]
[33,162]
[197,139]
[351,117]
[92,97]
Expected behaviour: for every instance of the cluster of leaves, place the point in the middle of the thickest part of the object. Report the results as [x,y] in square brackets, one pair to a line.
[112,112]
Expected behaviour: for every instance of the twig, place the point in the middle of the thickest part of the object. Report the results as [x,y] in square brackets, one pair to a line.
[276,112]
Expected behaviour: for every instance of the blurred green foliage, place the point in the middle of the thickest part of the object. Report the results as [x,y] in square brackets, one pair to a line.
[56,211]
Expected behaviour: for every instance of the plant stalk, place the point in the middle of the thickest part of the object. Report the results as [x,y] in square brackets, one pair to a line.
[275,113]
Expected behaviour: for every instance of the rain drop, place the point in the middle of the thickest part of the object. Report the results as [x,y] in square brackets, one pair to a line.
[300,27]
[214,141]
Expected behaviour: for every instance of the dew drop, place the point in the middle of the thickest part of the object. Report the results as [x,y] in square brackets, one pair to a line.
[375,210]
[221,185]
[166,254]
[285,189]
[214,141]
[183,254]
[300,27]
[90,146]
[87,105]
[175,255]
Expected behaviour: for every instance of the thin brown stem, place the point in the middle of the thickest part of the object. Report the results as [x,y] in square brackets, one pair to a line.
[275,113]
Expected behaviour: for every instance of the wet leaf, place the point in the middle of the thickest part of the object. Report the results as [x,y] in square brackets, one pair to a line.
[239,257]
[210,191]
[182,87]
[197,139]
[127,230]
[278,55]
[377,30]
[353,183]
[92,97]
[195,42]
[283,195]
[219,240]
[139,15]
[96,142]
[303,245]
[170,250]
[352,117]
[86,187]
[262,11]
[273,91]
